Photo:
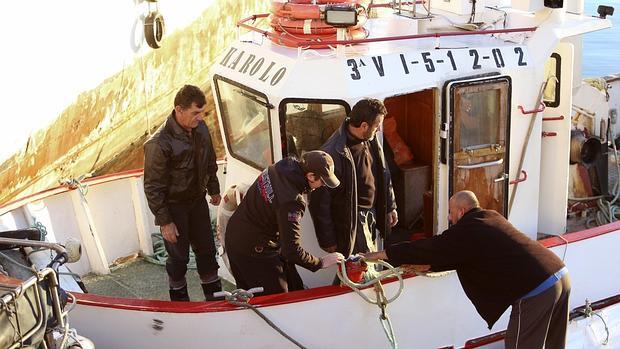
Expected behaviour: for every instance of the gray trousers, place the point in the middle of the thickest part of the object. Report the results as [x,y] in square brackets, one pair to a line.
[540,321]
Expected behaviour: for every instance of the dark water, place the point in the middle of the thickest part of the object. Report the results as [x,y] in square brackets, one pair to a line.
[601,49]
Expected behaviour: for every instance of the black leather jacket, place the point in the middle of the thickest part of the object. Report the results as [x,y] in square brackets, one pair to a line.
[178,167]
[334,211]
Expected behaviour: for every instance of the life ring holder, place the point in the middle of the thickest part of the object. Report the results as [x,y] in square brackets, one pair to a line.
[154,28]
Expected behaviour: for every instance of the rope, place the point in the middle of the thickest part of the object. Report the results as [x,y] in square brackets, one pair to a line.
[160,255]
[588,312]
[383,318]
[241,298]
[76,183]
[390,272]
[380,299]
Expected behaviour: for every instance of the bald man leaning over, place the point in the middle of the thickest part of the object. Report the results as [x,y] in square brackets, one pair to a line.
[497,266]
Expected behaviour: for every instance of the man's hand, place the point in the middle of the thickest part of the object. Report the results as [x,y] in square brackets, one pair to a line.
[374,255]
[329,249]
[393,218]
[331,259]
[215,199]
[170,232]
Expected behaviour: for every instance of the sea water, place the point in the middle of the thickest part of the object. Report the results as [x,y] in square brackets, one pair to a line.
[601,49]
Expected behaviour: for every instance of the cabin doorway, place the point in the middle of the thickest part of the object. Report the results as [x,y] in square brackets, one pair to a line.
[409,144]
[479,119]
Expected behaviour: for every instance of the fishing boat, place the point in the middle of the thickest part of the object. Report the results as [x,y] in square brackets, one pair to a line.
[483,95]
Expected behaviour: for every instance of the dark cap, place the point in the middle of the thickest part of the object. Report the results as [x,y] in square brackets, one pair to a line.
[321,164]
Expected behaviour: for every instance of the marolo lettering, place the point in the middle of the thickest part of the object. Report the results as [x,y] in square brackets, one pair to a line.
[250,65]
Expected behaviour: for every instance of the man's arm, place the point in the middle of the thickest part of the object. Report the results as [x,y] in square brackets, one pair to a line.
[445,251]
[289,225]
[390,203]
[156,179]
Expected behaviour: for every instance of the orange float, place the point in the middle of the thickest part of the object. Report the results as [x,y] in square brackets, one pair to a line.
[302,21]
[293,40]
[402,153]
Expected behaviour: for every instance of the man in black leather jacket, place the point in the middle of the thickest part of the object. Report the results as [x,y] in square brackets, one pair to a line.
[346,218]
[263,235]
[179,169]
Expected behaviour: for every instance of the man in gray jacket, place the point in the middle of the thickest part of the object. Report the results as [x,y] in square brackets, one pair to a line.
[179,170]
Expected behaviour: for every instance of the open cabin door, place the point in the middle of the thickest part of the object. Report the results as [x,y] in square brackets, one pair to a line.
[478,138]
[247,130]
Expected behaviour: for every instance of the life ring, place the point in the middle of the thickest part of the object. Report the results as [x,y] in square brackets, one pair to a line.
[310,26]
[292,40]
[154,28]
[301,22]
[295,11]
[322,2]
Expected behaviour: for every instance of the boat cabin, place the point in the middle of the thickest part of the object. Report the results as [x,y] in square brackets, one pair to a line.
[486,110]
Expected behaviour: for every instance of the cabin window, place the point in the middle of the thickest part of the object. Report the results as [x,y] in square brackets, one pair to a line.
[551,96]
[480,118]
[245,116]
[307,124]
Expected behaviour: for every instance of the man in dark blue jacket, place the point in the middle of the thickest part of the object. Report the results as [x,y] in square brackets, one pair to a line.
[346,218]
[263,235]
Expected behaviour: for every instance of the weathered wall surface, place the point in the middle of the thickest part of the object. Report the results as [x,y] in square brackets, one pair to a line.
[103,131]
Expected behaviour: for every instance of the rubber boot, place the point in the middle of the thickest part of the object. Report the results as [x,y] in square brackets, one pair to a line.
[210,288]
[179,295]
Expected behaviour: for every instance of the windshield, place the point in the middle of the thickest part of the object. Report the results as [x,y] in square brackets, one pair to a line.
[245,116]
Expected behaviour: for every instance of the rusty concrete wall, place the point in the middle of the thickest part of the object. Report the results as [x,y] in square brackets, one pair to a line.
[103,131]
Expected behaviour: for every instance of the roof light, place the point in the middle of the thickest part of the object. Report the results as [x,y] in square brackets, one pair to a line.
[340,16]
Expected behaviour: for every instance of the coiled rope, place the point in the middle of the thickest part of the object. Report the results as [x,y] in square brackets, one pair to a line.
[380,299]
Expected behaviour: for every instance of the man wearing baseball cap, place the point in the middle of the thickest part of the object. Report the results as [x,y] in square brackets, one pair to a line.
[263,235]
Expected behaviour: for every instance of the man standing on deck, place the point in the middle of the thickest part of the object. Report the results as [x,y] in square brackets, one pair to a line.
[263,235]
[179,170]
[497,266]
[346,218]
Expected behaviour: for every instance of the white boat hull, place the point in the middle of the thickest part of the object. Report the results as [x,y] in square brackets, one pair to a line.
[329,317]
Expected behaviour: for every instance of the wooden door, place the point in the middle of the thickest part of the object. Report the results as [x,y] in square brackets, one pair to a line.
[479,139]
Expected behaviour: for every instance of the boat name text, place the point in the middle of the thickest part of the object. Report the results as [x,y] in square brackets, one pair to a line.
[253,66]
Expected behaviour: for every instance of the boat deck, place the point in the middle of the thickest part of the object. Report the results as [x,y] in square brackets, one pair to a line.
[138,278]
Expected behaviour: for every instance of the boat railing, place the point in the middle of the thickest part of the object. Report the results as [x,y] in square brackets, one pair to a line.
[302,43]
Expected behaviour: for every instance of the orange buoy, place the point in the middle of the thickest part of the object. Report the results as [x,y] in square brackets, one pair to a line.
[402,153]
[310,26]
[299,22]
[295,11]
[323,2]
[293,40]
